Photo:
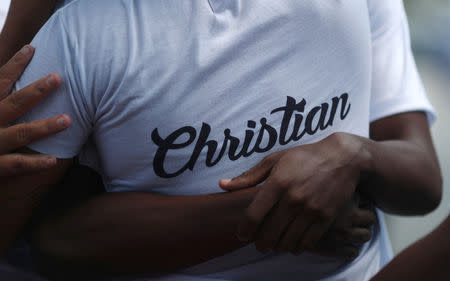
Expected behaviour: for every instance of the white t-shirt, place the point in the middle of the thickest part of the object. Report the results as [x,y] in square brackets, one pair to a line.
[174,95]
[2,19]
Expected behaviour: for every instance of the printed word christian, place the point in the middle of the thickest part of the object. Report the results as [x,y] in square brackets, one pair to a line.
[318,118]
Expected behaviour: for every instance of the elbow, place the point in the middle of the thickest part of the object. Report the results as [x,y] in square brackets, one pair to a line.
[433,196]
[436,187]
[436,194]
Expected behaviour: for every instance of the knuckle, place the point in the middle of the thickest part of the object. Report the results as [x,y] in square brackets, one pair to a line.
[23,135]
[269,159]
[6,85]
[317,211]
[41,88]
[340,140]
[4,81]
[17,164]
[280,183]
[16,102]
[251,217]
[18,59]
[295,199]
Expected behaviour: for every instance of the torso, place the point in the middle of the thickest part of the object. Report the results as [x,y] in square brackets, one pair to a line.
[197,93]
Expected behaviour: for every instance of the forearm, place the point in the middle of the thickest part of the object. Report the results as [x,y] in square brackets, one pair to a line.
[25,18]
[16,209]
[19,198]
[404,178]
[427,259]
[142,232]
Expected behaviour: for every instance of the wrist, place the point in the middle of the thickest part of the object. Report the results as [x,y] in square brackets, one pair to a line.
[357,151]
[365,155]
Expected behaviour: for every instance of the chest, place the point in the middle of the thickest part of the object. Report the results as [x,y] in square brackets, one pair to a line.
[227,82]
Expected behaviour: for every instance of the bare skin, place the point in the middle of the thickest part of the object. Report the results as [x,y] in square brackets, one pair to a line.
[305,187]
[427,259]
[67,244]
[17,204]
[24,19]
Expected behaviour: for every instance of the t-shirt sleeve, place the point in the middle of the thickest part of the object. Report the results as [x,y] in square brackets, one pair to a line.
[56,52]
[396,85]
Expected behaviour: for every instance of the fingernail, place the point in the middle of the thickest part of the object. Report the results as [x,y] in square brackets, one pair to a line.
[225,181]
[50,160]
[51,81]
[62,122]
[26,50]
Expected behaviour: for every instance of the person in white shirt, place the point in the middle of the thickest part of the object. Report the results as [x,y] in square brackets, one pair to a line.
[344,239]
[206,89]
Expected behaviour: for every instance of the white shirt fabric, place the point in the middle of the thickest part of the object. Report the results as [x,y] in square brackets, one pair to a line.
[2,19]
[174,95]
[4,6]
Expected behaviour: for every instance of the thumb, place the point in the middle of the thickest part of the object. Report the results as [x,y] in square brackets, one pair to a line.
[252,177]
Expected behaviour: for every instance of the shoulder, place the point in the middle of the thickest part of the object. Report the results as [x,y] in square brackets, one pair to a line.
[385,14]
[81,13]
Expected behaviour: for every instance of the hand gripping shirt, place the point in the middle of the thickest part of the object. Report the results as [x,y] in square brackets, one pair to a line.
[174,95]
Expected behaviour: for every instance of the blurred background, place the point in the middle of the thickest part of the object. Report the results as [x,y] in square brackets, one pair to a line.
[430,35]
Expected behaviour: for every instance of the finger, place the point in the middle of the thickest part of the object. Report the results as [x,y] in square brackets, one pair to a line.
[13,69]
[21,135]
[273,228]
[349,252]
[359,236]
[261,205]
[311,237]
[364,201]
[252,177]
[295,231]
[19,164]
[364,217]
[20,102]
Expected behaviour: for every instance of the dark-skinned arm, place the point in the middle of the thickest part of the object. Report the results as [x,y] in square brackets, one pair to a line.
[119,233]
[20,197]
[427,259]
[25,18]
[305,187]
[142,232]
[404,175]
